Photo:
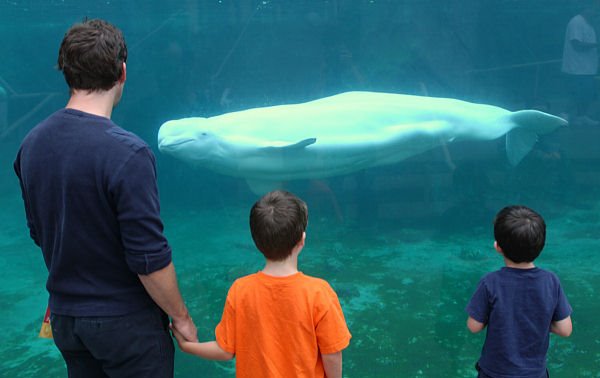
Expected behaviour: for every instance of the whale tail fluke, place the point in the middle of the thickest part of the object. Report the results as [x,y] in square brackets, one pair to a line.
[529,124]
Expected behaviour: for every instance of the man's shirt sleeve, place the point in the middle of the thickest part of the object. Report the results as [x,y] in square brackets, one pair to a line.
[30,224]
[135,195]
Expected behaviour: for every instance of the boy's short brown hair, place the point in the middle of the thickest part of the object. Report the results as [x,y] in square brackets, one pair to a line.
[520,232]
[277,222]
[91,55]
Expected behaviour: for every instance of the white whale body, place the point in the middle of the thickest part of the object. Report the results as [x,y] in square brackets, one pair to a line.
[344,133]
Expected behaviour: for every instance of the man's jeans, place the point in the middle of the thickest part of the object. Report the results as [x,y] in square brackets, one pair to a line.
[132,345]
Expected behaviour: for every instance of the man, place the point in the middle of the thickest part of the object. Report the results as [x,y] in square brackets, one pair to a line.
[91,202]
[580,63]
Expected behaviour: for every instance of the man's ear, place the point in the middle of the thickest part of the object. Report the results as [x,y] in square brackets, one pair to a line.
[123,74]
[497,247]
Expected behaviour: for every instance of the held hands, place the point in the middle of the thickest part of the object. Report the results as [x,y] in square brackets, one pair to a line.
[209,350]
[181,341]
[186,329]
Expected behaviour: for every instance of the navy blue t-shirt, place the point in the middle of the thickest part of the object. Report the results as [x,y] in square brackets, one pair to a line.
[518,306]
[92,205]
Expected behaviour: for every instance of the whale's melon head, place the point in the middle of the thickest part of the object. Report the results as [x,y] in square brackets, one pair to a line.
[188,139]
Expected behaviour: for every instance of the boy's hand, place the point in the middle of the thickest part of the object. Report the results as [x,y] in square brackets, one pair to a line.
[562,327]
[179,337]
[209,350]
[474,325]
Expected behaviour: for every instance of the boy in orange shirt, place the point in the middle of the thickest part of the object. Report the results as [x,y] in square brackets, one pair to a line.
[279,322]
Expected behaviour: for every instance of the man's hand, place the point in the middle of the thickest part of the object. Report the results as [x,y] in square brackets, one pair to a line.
[179,337]
[162,287]
[209,350]
[186,328]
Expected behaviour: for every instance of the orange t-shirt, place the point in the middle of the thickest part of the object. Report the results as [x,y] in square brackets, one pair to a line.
[279,326]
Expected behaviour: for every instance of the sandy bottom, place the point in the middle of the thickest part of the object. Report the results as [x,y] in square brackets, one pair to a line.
[403,290]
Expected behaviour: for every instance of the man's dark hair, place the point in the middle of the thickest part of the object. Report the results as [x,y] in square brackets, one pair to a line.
[520,232]
[91,55]
[277,222]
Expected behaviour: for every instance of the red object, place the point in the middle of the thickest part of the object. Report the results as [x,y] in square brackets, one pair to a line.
[46,330]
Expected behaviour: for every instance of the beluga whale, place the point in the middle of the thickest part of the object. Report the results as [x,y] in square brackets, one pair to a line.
[341,134]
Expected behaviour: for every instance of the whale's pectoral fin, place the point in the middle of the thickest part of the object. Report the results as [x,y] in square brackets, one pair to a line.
[518,144]
[292,147]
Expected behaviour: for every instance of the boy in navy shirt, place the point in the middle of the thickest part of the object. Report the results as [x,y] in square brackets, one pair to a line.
[520,304]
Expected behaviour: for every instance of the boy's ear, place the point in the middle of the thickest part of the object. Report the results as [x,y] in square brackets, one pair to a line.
[497,247]
[301,241]
[300,245]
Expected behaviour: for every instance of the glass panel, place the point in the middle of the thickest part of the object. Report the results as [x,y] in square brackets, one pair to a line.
[402,191]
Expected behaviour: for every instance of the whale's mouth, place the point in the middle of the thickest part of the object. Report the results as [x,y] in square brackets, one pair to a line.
[168,145]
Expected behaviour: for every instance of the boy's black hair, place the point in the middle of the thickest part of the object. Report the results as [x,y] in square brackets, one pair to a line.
[520,232]
[91,55]
[277,222]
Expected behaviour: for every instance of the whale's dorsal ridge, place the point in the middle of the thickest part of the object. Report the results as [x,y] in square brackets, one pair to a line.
[537,121]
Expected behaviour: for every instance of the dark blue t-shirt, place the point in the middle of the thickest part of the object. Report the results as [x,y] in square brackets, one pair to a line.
[518,306]
[91,202]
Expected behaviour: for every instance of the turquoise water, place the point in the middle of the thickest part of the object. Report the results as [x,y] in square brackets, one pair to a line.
[403,245]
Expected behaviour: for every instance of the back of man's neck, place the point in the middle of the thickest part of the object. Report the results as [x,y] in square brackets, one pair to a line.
[98,103]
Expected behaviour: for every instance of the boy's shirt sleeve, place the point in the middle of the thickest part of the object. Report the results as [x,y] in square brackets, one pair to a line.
[225,331]
[478,307]
[563,308]
[331,329]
